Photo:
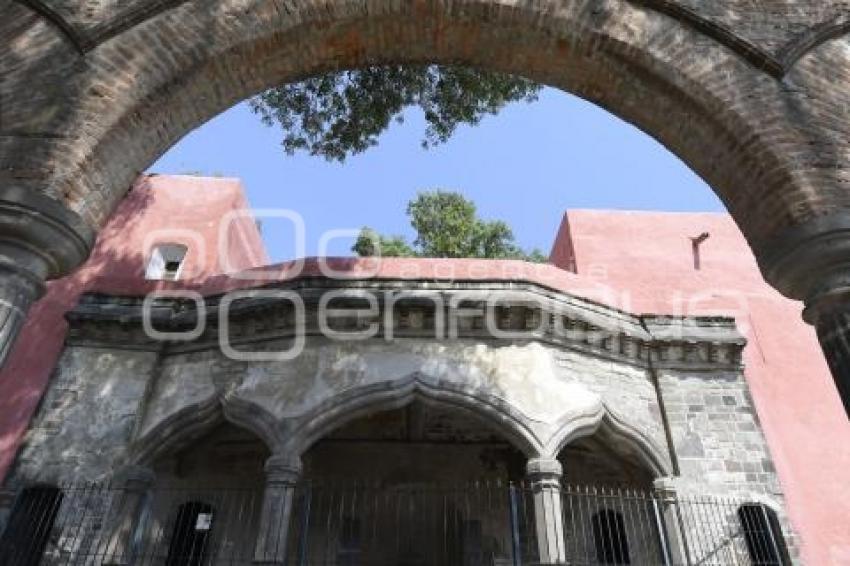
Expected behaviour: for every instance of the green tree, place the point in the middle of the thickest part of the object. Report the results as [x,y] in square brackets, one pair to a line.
[369,243]
[446,225]
[340,114]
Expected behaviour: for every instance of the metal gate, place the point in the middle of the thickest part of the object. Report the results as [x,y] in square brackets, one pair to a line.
[474,524]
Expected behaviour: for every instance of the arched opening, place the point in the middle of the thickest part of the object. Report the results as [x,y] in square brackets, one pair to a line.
[29,526]
[609,511]
[208,499]
[763,535]
[422,484]
[598,460]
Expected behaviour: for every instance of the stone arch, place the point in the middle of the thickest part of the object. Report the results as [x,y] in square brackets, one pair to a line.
[346,407]
[617,429]
[640,60]
[192,422]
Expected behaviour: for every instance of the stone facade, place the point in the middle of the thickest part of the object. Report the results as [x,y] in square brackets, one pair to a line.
[553,376]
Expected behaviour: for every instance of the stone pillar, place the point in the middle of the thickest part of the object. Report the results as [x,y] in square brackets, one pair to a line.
[810,262]
[282,474]
[126,514]
[830,316]
[668,516]
[40,239]
[544,476]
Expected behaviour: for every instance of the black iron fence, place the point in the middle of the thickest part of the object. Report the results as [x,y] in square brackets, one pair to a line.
[475,524]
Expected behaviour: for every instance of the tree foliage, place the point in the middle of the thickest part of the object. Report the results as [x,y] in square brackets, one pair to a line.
[446,225]
[340,114]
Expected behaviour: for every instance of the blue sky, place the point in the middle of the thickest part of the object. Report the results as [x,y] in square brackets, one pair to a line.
[525,166]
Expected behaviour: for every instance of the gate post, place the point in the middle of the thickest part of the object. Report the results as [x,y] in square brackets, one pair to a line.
[282,474]
[544,475]
[665,495]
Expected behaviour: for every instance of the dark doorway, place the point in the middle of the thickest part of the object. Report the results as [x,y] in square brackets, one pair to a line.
[190,535]
[609,534]
[28,531]
[763,535]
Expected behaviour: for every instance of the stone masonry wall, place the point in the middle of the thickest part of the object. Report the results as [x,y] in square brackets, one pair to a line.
[89,414]
[718,441]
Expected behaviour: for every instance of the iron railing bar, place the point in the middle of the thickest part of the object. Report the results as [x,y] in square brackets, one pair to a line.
[645,526]
[631,504]
[627,543]
[584,510]
[305,526]
[98,550]
[573,532]
[726,533]
[515,541]
[683,538]
[720,540]
[608,514]
[662,533]
[780,558]
[84,518]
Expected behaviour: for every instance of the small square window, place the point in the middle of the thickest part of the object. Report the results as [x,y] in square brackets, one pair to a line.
[166,262]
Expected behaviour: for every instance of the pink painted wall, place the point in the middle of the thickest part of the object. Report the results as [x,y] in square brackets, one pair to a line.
[146,217]
[647,260]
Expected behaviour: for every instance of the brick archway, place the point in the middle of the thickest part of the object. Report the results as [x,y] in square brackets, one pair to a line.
[716,100]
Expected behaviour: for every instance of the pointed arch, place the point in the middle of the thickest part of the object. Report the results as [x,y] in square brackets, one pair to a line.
[611,426]
[348,406]
[192,422]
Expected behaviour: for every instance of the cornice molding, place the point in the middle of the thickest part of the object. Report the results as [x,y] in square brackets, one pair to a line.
[520,313]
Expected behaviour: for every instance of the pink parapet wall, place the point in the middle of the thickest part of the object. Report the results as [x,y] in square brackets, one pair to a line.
[158,209]
[646,259]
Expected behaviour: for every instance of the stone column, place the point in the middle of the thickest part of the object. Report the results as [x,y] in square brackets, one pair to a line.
[811,262]
[831,319]
[544,476]
[40,239]
[668,516]
[134,485]
[282,474]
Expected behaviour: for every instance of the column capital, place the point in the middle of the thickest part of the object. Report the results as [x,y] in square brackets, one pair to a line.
[665,488]
[810,261]
[41,235]
[541,469]
[283,469]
